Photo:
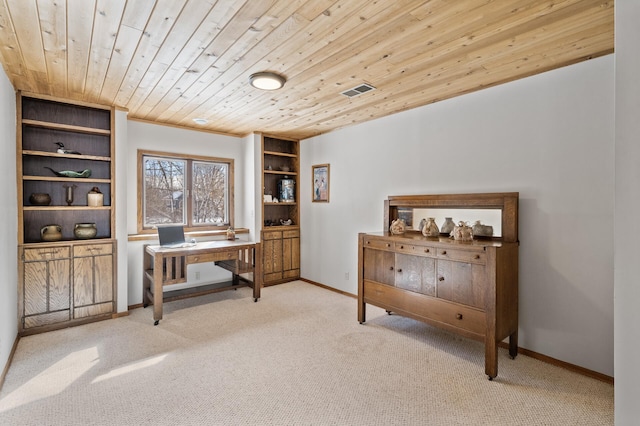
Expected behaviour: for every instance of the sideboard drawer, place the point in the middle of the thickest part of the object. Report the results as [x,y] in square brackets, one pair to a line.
[377,244]
[415,249]
[468,256]
[46,253]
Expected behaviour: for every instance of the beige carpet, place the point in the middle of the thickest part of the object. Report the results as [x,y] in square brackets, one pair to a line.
[297,357]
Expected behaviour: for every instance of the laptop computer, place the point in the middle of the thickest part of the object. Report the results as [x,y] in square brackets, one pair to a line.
[173,237]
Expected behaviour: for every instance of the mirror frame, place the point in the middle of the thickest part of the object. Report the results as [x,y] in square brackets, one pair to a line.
[507,202]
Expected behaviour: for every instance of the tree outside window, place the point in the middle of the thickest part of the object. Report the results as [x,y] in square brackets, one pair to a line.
[179,190]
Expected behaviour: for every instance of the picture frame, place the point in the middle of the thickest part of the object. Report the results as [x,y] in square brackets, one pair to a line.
[320,183]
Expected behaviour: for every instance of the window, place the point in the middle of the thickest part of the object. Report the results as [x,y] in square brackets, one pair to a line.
[175,189]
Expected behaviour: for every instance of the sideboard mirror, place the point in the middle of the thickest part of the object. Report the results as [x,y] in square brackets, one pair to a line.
[499,210]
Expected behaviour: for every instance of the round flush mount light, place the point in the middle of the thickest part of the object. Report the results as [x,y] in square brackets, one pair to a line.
[266,81]
[201,121]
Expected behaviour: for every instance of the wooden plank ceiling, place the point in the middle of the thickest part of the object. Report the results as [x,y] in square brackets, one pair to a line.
[171,61]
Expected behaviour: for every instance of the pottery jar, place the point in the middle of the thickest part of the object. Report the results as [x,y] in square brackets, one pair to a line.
[40,199]
[462,232]
[430,228]
[51,233]
[398,226]
[95,198]
[85,231]
[447,226]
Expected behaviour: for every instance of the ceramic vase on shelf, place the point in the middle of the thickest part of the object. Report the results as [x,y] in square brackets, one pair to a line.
[430,228]
[447,226]
[85,231]
[462,232]
[95,198]
[51,233]
[397,227]
[40,199]
[480,230]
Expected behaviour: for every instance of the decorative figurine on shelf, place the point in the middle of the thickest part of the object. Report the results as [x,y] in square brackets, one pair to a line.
[480,230]
[462,232]
[398,226]
[286,222]
[69,193]
[95,198]
[71,174]
[63,150]
[231,233]
[430,229]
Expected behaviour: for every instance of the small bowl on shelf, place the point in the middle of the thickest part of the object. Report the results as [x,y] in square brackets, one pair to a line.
[40,199]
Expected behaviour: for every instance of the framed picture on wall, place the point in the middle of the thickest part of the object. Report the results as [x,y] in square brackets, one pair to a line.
[320,181]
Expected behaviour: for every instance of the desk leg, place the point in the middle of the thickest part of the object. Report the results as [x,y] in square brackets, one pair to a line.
[257,271]
[157,288]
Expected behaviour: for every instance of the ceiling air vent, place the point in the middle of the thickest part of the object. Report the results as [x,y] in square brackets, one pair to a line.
[358,90]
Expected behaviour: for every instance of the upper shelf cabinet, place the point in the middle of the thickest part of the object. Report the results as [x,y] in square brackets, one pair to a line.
[64,151]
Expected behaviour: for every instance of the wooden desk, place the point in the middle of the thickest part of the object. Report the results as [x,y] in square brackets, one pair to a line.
[165,266]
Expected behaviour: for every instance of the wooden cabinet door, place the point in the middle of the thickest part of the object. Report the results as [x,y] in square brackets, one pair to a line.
[379,266]
[416,273]
[46,296]
[291,257]
[93,281]
[104,278]
[272,263]
[461,282]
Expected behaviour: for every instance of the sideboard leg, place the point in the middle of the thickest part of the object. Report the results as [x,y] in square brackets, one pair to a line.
[513,345]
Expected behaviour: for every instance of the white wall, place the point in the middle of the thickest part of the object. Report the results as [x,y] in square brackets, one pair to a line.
[122,183]
[627,213]
[8,222]
[549,137]
[170,139]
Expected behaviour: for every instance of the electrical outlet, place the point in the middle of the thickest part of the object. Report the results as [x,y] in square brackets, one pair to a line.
[346,276]
[197,275]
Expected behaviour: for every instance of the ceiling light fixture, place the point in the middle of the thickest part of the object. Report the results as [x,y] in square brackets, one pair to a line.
[266,81]
[201,121]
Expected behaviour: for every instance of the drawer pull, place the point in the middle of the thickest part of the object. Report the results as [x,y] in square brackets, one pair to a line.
[441,279]
[388,245]
[459,316]
[477,256]
[401,247]
[444,252]
[427,250]
[391,268]
[400,270]
[368,242]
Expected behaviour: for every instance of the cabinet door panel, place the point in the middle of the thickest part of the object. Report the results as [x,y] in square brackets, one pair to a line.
[35,288]
[59,285]
[272,256]
[83,281]
[456,283]
[416,273]
[104,283]
[378,266]
[295,253]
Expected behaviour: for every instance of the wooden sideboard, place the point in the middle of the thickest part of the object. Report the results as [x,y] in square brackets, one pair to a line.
[469,288]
